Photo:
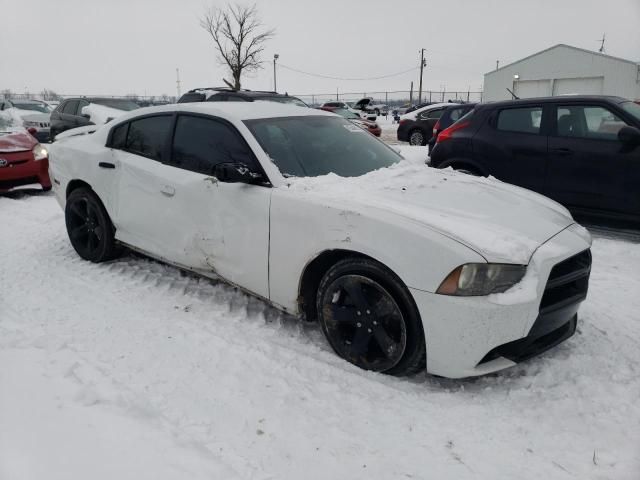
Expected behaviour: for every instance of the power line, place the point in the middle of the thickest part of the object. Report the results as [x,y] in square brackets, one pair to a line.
[347,79]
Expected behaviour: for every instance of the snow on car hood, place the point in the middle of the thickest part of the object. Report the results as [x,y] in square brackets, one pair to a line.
[502,222]
[35,117]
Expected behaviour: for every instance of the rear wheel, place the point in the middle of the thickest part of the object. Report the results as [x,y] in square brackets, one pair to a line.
[89,227]
[416,137]
[369,318]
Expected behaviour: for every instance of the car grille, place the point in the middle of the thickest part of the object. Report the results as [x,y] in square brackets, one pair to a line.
[566,288]
[568,282]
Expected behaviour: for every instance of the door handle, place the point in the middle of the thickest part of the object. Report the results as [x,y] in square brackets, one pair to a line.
[106,165]
[168,190]
[562,151]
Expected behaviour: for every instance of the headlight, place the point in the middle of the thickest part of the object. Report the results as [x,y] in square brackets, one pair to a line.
[474,279]
[39,152]
[28,123]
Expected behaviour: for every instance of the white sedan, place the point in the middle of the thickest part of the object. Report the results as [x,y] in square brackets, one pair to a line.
[402,265]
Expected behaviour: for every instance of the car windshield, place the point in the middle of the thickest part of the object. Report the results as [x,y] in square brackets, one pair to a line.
[36,107]
[118,104]
[285,99]
[632,108]
[312,146]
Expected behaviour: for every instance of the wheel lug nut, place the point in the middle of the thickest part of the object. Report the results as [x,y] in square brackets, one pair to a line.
[369,330]
[368,312]
[358,324]
[359,312]
[375,323]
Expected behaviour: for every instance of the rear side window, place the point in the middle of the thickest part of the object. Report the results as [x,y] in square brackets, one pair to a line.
[520,120]
[149,136]
[199,144]
[192,97]
[119,136]
[431,114]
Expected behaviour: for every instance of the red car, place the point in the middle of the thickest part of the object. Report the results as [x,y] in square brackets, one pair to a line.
[372,127]
[23,161]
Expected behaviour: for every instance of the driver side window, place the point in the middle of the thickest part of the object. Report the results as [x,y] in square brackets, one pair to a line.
[199,144]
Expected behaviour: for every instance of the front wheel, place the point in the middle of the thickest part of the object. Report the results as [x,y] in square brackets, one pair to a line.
[89,227]
[369,319]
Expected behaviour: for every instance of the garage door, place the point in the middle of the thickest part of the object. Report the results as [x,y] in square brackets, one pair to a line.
[582,86]
[532,88]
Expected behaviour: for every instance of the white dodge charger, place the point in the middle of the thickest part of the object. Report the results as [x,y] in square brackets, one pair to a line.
[402,265]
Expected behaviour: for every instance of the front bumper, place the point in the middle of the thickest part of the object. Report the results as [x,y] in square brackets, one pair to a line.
[31,171]
[469,336]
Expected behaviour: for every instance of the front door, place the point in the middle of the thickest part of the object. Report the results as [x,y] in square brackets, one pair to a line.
[220,228]
[588,166]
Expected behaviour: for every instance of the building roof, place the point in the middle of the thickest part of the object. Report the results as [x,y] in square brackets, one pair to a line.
[567,46]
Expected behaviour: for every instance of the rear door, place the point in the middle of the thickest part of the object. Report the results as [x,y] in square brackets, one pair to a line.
[513,145]
[427,121]
[588,165]
[67,116]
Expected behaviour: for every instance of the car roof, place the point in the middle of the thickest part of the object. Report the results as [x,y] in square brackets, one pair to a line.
[232,110]
[433,106]
[556,99]
[18,100]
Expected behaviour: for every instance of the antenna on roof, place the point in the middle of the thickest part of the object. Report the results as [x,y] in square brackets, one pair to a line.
[601,49]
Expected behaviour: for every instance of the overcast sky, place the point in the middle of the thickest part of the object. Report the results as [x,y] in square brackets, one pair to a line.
[118,47]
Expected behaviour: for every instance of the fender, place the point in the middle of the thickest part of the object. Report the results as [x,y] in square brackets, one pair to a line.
[464,162]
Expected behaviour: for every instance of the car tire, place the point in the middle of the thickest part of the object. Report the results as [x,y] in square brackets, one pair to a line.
[369,318]
[417,137]
[89,227]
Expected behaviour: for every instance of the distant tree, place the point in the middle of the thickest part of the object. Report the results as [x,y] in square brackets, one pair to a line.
[132,96]
[239,37]
[50,95]
[164,97]
[6,93]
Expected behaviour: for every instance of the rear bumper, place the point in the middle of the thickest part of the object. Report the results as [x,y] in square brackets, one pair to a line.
[25,174]
[470,336]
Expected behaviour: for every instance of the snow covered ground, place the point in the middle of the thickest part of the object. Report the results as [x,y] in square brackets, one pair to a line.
[135,370]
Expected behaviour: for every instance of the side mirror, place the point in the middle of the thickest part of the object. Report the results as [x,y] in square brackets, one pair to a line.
[86,115]
[629,135]
[236,172]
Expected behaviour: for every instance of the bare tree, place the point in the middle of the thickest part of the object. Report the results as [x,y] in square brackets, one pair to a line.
[239,37]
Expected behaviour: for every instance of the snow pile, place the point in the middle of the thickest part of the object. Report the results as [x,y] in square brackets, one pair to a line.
[134,370]
[100,114]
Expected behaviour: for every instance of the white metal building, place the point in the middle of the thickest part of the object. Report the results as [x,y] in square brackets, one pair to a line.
[563,69]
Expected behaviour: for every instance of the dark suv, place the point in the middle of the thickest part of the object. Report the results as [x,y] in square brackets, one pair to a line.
[223,94]
[450,116]
[68,114]
[583,151]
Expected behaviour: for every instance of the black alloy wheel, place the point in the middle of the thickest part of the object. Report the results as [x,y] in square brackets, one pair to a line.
[90,230]
[365,324]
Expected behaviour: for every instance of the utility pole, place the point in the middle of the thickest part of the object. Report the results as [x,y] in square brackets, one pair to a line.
[275,85]
[497,64]
[422,65]
[178,81]
[411,94]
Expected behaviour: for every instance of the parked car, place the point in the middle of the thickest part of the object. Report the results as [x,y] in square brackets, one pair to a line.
[449,116]
[71,112]
[372,127]
[23,161]
[368,105]
[33,114]
[417,127]
[344,106]
[224,94]
[399,265]
[582,151]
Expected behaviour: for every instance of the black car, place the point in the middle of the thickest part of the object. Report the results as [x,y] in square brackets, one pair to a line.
[68,114]
[418,130]
[224,94]
[583,151]
[450,116]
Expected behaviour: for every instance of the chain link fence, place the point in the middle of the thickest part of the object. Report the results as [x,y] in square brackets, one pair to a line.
[49,96]
[392,98]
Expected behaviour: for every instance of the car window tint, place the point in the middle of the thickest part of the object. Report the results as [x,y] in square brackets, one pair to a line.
[199,144]
[521,120]
[70,107]
[456,113]
[431,114]
[192,97]
[148,136]
[580,121]
[217,97]
[119,136]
